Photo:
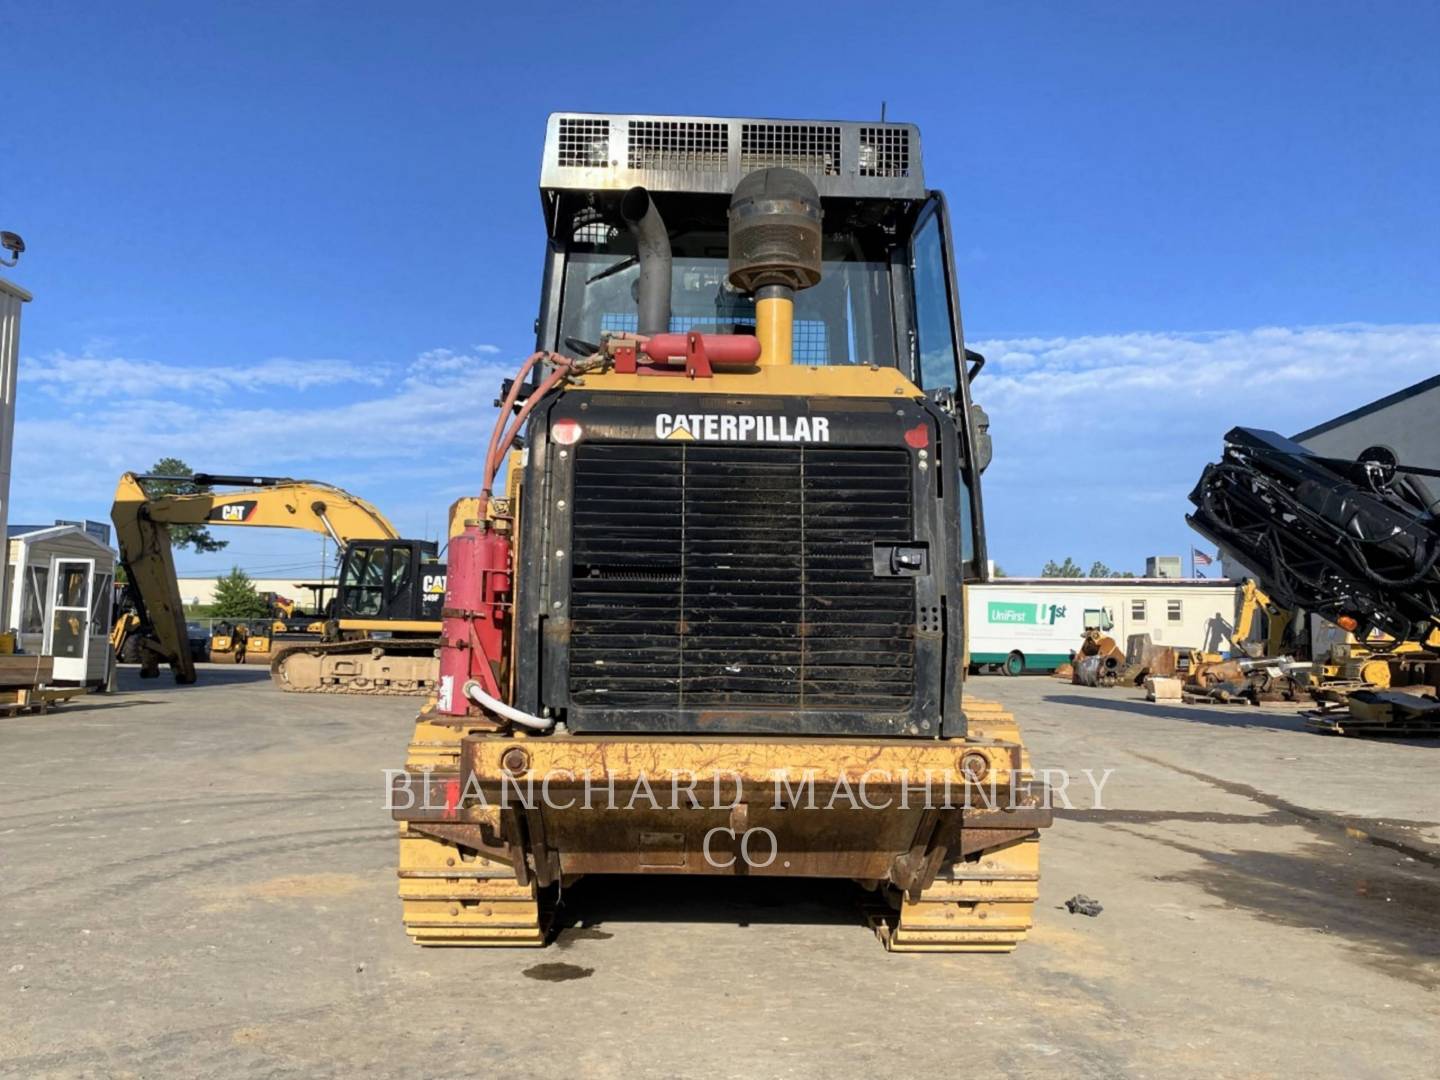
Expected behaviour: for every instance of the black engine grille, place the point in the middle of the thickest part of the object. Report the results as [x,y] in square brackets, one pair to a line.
[724,576]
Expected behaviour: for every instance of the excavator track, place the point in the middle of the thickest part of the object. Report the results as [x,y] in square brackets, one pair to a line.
[980,902]
[451,896]
[393,667]
[983,904]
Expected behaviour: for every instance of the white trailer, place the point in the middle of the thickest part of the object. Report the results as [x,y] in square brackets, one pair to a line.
[1034,624]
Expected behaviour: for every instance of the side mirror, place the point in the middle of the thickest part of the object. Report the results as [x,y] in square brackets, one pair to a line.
[976,361]
[980,437]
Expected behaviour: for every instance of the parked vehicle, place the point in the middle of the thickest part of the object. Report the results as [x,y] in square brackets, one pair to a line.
[1034,624]
[199,640]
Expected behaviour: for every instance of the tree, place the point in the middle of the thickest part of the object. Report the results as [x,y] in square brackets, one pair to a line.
[1069,568]
[196,537]
[996,570]
[237,598]
[1100,570]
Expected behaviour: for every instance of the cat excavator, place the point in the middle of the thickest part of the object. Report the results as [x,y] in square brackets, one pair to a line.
[382,632]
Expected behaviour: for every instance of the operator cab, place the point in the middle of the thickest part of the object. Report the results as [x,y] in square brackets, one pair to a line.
[886,294]
[391,579]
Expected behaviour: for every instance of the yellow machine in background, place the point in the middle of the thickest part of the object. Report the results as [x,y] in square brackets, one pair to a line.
[1256,608]
[259,644]
[383,627]
[122,634]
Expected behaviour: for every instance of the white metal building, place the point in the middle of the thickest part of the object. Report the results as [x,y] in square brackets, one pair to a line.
[1033,624]
[60,600]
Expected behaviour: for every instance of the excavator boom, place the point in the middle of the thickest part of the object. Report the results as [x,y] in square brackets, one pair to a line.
[141,522]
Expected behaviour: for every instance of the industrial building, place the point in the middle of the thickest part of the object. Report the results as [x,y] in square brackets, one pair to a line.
[200,591]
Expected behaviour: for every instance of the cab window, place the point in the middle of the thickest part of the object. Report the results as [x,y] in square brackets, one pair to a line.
[364,585]
[933,332]
[402,565]
[845,319]
[936,345]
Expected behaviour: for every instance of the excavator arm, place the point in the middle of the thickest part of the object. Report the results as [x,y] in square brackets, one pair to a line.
[264,502]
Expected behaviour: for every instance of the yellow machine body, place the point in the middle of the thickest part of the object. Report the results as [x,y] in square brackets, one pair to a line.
[954,873]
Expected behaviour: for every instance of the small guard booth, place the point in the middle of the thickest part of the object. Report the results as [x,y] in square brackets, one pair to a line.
[61,594]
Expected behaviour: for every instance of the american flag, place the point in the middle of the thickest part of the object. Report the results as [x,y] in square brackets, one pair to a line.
[1200,558]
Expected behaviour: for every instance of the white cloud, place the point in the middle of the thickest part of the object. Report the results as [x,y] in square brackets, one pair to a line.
[1102,437]
[87,377]
[425,427]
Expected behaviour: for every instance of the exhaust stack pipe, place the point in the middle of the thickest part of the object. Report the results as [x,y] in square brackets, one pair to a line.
[652,244]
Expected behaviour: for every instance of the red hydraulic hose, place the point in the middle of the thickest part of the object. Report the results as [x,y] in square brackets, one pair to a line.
[509,403]
[492,465]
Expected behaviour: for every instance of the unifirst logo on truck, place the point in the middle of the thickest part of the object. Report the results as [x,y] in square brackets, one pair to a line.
[1009,613]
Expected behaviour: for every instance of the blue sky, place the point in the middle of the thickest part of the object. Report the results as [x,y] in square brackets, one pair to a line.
[305,239]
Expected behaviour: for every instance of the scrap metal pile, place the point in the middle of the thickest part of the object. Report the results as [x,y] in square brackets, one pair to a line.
[1404,712]
[1098,661]
[1203,678]
[1262,681]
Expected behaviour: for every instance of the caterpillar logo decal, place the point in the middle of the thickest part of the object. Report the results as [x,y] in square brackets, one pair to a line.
[433,584]
[234,513]
[729,427]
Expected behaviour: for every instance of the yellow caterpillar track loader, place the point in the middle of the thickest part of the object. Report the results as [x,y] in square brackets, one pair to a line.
[284,627]
[382,633]
[260,641]
[715,626]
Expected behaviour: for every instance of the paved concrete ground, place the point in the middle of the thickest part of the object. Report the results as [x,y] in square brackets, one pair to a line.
[197,882]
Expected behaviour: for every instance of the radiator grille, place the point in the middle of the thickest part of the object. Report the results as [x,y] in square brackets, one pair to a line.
[728,576]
